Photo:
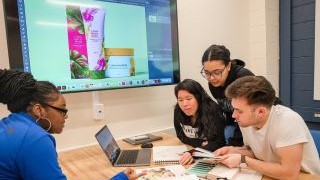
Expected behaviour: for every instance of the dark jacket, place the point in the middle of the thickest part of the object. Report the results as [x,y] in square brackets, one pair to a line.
[237,71]
[182,125]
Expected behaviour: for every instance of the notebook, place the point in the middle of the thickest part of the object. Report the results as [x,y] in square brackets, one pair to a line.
[168,154]
[140,139]
[118,157]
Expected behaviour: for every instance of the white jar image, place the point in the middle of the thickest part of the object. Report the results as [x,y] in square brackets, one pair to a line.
[119,62]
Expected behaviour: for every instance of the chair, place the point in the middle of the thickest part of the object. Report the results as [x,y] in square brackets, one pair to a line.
[316,138]
[228,132]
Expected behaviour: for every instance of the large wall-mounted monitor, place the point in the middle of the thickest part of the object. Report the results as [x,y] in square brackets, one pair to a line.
[88,45]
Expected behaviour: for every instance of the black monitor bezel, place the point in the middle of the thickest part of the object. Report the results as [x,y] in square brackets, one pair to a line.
[11,18]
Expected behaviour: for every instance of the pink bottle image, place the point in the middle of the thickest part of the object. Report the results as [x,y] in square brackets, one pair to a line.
[86,38]
[93,20]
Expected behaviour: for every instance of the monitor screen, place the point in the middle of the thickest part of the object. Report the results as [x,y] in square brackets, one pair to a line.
[85,45]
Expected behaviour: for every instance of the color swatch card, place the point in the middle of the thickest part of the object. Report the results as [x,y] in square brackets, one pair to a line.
[201,169]
[201,153]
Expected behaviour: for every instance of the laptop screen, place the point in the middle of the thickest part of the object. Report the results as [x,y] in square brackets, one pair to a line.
[108,144]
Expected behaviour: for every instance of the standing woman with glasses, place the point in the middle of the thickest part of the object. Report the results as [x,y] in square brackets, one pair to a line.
[38,109]
[220,71]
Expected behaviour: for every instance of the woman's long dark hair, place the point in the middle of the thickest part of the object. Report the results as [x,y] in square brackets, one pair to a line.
[19,89]
[207,109]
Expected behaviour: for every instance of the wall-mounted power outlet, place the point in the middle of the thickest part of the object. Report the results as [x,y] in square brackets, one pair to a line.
[98,111]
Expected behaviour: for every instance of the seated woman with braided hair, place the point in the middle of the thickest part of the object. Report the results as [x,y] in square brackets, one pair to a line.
[38,109]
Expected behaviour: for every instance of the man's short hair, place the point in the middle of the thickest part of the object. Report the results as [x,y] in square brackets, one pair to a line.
[257,90]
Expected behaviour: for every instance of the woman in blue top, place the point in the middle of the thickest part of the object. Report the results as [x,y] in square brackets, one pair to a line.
[38,109]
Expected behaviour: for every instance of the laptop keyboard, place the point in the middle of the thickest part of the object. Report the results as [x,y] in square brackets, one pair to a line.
[128,157]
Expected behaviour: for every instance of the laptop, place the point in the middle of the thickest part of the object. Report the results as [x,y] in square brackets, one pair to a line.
[118,157]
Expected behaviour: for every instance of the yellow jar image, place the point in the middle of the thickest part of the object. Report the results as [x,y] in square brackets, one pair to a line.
[119,62]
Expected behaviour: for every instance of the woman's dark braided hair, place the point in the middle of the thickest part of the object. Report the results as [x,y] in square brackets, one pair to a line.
[19,90]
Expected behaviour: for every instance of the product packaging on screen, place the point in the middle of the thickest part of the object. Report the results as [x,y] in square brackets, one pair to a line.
[120,62]
[85,37]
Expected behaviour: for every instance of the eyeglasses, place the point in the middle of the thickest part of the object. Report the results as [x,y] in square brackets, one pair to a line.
[215,74]
[63,111]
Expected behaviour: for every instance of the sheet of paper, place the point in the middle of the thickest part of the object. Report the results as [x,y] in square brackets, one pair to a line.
[248,174]
[173,172]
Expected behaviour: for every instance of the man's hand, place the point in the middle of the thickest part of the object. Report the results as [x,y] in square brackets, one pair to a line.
[132,175]
[244,150]
[231,160]
[223,151]
[186,158]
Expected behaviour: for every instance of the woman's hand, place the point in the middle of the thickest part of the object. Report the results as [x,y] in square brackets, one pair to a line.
[204,143]
[132,175]
[186,159]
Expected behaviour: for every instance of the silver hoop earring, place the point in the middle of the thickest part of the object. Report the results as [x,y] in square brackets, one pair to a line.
[47,121]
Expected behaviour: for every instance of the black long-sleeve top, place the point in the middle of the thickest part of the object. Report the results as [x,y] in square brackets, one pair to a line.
[218,93]
[189,134]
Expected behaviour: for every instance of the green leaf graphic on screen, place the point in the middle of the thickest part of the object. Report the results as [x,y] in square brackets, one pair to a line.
[74,15]
[79,65]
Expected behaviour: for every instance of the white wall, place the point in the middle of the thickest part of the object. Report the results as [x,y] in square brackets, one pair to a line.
[264,39]
[206,22]
[3,54]
[136,111]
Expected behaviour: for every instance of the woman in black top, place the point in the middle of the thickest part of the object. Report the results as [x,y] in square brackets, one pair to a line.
[198,120]
[220,71]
